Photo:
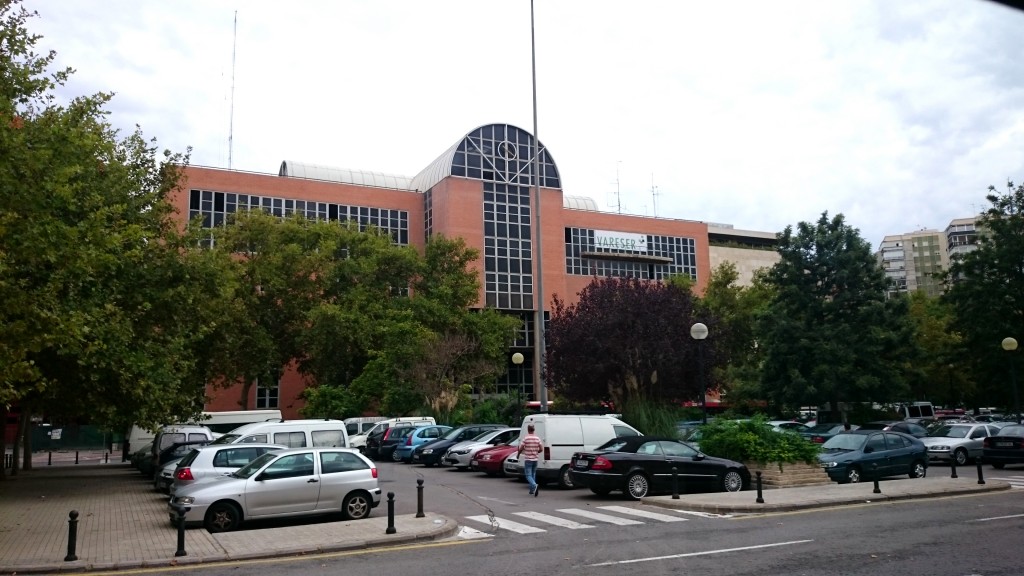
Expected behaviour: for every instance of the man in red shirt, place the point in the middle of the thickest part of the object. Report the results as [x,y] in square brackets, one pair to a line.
[530,448]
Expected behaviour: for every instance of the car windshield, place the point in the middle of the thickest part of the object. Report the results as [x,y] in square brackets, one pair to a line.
[254,466]
[613,445]
[483,437]
[452,434]
[226,439]
[844,442]
[1012,430]
[875,426]
[948,431]
[820,428]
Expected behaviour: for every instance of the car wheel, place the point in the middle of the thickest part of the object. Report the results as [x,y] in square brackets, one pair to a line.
[998,465]
[356,506]
[853,475]
[637,486]
[601,491]
[564,479]
[222,517]
[960,456]
[732,481]
[395,456]
[917,469]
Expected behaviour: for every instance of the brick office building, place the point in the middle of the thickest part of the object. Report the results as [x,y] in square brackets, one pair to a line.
[483,190]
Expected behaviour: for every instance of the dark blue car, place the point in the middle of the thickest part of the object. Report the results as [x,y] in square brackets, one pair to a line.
[860,455]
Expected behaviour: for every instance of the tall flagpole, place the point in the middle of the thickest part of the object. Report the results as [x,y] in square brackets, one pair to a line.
[539,347]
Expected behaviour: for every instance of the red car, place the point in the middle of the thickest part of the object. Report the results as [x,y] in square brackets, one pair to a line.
[491,461]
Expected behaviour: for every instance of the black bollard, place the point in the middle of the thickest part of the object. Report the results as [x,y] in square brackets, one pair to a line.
[106,458]
[952,469]
[419,498]
[391,514]
[76,456]
[760,499]
[49,458]
[981,477]
[675,483]
[181,531]
[877,490]
[72,536]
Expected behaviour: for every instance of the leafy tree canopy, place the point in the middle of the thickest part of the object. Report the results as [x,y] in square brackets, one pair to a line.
[829,333]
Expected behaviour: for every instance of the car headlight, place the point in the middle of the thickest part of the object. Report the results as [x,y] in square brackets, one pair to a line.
[946,448]
[460,452]
[186,500]
[829,464]
[485,457]
[428,451]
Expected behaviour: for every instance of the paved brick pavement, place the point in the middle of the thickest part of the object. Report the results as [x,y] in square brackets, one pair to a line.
[123,523]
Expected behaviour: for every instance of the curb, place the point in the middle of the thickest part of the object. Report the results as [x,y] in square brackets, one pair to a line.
[824,503]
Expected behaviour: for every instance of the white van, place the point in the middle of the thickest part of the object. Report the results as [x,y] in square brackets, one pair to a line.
[290,433]
[565,434]
[359,441]
[361,425]
[177,433]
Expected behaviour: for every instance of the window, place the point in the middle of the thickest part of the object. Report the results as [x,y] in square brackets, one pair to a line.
[255,439]
[291,466]
[621,431]
[334,462]
[291,439]
[266,396]
[328,438]
[649,448]
[875,443]
[677,449]
[235,457]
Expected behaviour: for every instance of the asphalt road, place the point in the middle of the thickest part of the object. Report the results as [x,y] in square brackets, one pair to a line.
[976,535]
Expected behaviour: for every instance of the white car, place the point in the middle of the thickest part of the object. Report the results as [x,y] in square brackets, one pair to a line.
[461,454]
[211,461]
[958,442]
[285,483]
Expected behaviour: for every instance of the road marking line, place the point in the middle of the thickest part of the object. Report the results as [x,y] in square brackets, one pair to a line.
[997,518]
[496,500]
[599,517]
[541,517]
[704,553]
[506,524]
[643,513]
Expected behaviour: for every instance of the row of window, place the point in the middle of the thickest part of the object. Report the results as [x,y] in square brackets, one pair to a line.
[680,251]
[215,209]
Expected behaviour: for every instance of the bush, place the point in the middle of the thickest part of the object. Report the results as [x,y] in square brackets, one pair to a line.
[754,441]
[652,418]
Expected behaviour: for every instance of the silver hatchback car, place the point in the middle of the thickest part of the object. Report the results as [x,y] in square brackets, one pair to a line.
[285,483]
[214,460]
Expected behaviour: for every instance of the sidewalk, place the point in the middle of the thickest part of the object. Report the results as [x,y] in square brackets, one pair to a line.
[827,495]
[123,523]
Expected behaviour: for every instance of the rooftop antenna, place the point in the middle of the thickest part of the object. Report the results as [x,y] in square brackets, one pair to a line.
[231,124]
[654,196]
[618,191]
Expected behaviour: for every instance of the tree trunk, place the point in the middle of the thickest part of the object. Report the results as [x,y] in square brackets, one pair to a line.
[26,438]
[243,401]
[3,418]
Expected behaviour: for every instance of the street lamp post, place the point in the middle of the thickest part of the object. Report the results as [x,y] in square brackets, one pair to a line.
[1010,345]
[517,359]
[699,332]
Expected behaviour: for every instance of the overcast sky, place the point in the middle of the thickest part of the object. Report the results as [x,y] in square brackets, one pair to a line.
[897,114]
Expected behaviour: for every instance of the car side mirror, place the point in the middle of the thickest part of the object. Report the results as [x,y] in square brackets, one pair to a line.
[699,456]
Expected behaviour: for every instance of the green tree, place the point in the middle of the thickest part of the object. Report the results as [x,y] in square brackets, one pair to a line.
[737,308]
[829,333]
[95,274]
[985,289]
[628,340]
[938,373]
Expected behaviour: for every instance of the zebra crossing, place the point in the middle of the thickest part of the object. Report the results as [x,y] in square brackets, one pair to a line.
[1013,481]
[569,518]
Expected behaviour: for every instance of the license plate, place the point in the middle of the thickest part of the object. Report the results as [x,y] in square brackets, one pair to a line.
[1004,444]
[582,464]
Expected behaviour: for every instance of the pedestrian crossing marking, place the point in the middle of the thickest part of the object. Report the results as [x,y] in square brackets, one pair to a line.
[599,517]
[1015,481]
[643,513]
[541,517]
[504,524]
